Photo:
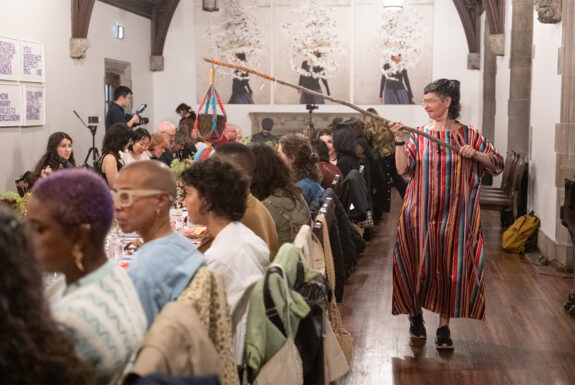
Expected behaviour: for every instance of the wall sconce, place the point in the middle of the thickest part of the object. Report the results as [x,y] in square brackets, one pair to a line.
[210,5]
[393,4]
[119,31]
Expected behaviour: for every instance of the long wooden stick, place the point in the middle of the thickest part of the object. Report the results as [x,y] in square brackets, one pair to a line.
[476,157]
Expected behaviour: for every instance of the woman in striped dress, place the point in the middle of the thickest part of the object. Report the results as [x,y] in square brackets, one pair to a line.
[438,256]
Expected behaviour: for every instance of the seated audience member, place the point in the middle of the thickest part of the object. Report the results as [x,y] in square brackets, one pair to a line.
[273,186]
[183,146]
[328,171]
[266,133]
[163,267]
[117,139]
[58,155]
[325,134]
[298,155]
[236,253]
[345,146]
[257,218]
[157,146]
[232,132]
[69,215]
[138,149]
[168,130]
[33,349]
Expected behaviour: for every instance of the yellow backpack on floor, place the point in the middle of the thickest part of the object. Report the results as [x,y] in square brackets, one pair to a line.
[516,236]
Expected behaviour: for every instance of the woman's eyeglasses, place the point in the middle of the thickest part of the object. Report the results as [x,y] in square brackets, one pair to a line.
[429,101]
[125,198]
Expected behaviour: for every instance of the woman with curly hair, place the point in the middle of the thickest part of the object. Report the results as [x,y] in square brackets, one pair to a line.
[116,140]
[33,350]
[236,253]
[272,184]
[295,150]
[69,216]
[58,155]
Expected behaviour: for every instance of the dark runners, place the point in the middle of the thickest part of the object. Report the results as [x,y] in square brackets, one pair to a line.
[417,329]
[443,339]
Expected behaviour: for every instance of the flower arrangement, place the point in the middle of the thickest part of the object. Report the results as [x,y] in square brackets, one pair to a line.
[400,33]
[179,166]
[314,34]
[16,202]
[247,140]
[238,39]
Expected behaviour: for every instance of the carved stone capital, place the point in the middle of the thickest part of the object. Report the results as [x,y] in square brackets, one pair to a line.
[78,47]
[497,43]
[156,63]
[548,11]
[473,61]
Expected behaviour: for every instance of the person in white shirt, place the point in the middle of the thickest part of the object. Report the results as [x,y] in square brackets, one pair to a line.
[237,253]
[138,148]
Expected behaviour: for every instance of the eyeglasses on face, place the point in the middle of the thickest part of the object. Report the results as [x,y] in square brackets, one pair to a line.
[125,198]
[429,101]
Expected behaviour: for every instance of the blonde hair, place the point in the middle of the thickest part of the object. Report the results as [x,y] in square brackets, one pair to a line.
[156,140]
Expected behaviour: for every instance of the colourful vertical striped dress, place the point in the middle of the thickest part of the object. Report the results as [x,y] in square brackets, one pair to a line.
[438,257]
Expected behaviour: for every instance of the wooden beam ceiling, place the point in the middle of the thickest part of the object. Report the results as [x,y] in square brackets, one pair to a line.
[144,8]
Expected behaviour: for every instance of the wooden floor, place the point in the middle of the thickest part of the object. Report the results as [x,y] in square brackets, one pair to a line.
[527,337]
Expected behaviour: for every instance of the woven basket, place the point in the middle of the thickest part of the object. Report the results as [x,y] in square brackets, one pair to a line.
[205,124]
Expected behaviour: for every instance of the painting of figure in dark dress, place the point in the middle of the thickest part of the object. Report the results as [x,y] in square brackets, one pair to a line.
[241,91]
[394,86]
[312,82]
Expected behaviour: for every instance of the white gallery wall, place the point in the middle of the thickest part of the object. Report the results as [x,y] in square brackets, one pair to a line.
[70,84]
[545,113]
[78,84]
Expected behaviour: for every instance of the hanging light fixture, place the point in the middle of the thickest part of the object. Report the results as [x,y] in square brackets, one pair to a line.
[393,4]
[210,5]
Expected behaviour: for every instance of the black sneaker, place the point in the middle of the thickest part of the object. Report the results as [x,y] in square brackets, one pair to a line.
[443,339]
[417,329]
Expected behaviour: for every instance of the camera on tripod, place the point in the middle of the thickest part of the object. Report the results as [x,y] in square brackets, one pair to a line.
[311,107]
[143,120]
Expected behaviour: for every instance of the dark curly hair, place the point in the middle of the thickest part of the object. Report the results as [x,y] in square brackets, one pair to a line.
[33,349]
[116,138]
[222,187]
[344,142]
[304,159]
[320,149]
[446,88]
[50,157]
[271,173]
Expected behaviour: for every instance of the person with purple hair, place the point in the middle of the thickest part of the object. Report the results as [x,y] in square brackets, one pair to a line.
[164,266]
[69,216]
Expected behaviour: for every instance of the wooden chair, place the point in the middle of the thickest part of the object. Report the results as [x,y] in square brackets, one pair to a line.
[506,177]
[507,203]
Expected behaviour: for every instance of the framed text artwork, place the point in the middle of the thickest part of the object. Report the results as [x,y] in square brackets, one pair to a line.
[9,59]
[10,105]
[34,102]
[32,64]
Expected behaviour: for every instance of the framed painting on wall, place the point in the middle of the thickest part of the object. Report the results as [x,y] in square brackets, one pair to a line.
[10,105]
[9,59]
[32,64]
[34,99]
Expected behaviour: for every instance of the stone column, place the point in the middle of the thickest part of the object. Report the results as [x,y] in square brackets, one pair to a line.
[520,87]
[489,86]
[565,130]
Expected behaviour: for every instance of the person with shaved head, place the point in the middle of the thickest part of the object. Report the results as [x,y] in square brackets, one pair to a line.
[164,266]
